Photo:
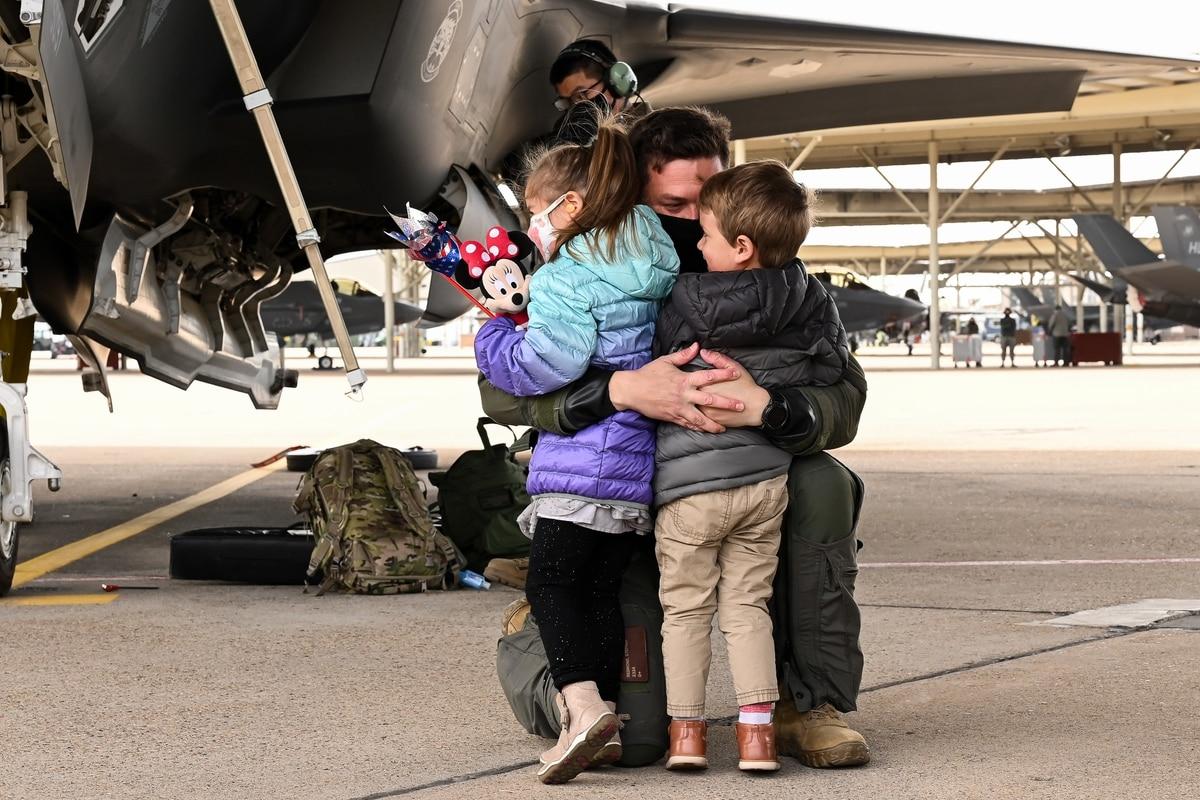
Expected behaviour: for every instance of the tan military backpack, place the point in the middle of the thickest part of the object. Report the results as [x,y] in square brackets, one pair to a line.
[373,530]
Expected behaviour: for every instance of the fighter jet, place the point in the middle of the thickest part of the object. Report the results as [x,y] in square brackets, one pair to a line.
[298,310]
[154,221]
[865,309]
[1165,291]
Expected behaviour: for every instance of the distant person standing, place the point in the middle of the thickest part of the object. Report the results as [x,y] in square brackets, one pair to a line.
[1008,337]
[1058,327]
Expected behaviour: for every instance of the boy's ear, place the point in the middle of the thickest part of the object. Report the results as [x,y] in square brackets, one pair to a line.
[462,274]
[746,251]
[524,244]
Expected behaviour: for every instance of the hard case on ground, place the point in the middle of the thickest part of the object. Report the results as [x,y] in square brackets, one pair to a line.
[1103,347]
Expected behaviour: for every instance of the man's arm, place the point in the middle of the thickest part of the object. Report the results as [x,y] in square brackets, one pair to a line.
[543,412]
[835,412]
[660,390]
[819,417]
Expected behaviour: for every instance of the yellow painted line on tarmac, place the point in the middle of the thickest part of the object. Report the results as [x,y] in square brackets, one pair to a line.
[36,567]
[60,600]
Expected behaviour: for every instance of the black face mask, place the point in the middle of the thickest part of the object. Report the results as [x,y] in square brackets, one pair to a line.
[685,235]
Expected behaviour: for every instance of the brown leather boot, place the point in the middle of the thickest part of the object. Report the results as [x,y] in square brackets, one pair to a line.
[689,744]
[818,738]
[756,747]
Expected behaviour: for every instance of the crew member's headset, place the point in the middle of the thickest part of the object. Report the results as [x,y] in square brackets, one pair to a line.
[619,77]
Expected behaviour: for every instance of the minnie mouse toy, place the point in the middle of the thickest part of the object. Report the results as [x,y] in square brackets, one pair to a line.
[498,268]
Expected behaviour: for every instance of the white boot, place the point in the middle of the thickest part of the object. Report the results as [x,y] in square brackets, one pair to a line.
[589,726]
[611,752]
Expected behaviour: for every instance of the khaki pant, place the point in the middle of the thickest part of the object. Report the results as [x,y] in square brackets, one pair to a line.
[717,552]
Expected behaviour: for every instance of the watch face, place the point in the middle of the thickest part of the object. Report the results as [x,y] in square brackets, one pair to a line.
[774,415]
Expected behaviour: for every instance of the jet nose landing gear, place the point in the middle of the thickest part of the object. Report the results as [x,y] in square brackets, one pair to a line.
[20,465]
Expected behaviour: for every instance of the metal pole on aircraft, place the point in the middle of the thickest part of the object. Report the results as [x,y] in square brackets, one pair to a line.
[258,101]
[389,307]
[935,318]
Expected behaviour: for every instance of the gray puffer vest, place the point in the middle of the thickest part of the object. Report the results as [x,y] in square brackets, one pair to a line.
[783,327]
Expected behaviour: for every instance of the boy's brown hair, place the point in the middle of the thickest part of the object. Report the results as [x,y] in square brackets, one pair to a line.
[763,202]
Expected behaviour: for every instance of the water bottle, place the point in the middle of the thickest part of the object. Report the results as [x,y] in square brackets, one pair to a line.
[473,580]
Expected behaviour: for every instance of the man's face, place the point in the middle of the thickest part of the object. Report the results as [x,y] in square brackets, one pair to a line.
[580,86]
[674,190]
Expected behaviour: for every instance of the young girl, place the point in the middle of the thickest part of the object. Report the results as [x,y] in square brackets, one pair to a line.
[594,302]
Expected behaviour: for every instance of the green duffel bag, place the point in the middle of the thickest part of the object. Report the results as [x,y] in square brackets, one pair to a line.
[524,672]
[481,496]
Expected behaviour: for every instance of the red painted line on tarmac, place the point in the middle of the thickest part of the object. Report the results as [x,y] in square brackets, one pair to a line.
[1055,562]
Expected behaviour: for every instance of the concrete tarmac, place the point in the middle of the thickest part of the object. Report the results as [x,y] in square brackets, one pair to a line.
[204,690]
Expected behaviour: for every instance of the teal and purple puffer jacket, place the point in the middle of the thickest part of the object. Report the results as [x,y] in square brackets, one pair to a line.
[587,309]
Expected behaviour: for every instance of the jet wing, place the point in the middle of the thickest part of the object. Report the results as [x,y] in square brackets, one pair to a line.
[1169,277]
[783,73]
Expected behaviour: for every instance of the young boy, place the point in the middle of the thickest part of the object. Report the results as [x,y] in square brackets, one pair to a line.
[721,497]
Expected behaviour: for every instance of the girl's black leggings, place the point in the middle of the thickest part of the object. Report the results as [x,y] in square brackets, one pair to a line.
[573,589]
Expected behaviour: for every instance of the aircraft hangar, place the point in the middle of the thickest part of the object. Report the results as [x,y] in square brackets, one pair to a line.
[987,583]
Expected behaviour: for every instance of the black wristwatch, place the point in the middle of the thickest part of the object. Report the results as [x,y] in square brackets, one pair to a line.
[776,415]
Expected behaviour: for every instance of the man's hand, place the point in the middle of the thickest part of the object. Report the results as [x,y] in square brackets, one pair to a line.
[661,390]
[753,397]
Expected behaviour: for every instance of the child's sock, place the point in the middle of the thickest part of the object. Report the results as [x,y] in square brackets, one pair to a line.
[756,713]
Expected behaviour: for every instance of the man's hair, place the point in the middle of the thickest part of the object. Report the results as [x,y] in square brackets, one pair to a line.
[587,56]
[763,202]
[685,132]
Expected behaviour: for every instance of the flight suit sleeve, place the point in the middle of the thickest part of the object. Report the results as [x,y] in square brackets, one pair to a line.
[834,413]
[542,412]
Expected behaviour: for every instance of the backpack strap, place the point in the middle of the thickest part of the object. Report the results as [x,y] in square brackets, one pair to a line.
[483,423]
[526,441]
[334,499]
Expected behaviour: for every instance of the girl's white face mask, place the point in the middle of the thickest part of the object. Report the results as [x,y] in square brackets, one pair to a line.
[542,231]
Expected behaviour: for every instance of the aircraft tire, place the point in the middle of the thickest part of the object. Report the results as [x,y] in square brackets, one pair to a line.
[325,362]
[8,555]
[302,460]
[420,458]
[260,556]
[9,531]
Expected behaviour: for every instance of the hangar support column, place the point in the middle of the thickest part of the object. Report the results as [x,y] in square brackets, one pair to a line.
[935,320]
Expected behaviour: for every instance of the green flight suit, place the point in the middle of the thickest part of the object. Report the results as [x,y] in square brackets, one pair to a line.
[817,622]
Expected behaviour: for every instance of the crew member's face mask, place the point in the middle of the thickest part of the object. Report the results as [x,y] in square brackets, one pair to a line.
[542,231]
[685,235]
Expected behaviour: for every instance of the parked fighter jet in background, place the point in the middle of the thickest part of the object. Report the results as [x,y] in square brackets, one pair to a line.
[865,309]
[298,311]
[1167,289]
